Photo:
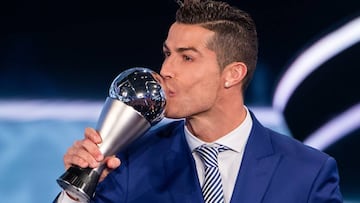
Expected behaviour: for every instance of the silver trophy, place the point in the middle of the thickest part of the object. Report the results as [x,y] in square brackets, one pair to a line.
[136,102]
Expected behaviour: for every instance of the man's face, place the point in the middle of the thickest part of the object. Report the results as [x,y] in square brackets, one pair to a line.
[190,70]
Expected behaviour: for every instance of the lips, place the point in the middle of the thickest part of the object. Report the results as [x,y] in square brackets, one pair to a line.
[169,92]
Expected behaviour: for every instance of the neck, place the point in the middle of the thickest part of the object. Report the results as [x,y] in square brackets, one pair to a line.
[210,128]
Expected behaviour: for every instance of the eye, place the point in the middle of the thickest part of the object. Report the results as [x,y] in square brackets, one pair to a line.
[166,53]
[187,58]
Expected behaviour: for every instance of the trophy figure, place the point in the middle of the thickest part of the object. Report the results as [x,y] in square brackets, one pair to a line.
[136,102]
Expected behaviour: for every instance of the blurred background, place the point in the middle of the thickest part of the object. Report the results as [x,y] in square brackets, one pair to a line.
[58,58]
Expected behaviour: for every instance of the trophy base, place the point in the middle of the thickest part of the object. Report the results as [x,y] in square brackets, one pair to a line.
[79,183]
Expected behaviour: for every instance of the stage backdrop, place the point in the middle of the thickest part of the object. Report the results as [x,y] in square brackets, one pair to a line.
[58,58]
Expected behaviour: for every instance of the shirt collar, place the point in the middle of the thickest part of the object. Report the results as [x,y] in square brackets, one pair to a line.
[235,140]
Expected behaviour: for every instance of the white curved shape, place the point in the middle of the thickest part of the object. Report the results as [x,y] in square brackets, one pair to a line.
[335,129]
[312,58]
[76,110]
[21,110]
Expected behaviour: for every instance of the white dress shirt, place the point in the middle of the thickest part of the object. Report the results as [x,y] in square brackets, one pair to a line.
[229,161]
[64,198]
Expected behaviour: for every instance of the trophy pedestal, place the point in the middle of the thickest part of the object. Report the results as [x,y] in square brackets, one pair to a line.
[79,182]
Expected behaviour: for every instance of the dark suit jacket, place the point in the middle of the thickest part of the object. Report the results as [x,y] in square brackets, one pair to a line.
[275,168]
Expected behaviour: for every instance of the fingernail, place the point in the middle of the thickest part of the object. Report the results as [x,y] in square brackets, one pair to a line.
[93,164]
[99,157]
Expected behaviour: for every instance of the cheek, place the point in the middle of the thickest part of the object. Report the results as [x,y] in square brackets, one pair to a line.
[203,94]
[204,84]
[196,92]
[190,101]
[206,94]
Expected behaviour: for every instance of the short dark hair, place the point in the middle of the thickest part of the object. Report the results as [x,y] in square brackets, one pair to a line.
[235,36]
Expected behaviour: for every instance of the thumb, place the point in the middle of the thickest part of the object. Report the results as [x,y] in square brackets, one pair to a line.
[111,164]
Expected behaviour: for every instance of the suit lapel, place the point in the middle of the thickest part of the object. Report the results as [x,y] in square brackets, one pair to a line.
[257,167]
[180,171]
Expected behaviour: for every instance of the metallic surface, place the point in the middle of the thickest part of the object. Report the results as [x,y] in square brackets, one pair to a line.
[141,89]
[136,102]
[119,125]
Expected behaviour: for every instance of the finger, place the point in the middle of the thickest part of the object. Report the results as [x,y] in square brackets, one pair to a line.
[75,160]
[93,135]
[104,174]
[90,148]
[77,156]
[113,162]
[80,154]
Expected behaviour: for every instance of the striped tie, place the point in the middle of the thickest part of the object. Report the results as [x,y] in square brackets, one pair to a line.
[212,187]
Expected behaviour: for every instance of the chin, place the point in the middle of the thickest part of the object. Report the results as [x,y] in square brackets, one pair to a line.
[172,115]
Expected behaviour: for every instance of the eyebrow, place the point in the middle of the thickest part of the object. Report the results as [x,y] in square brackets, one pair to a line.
[182,49]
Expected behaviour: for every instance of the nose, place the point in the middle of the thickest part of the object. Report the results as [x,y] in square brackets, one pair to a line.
[166,70]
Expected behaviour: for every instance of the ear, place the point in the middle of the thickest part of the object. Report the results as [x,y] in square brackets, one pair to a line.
[234,74]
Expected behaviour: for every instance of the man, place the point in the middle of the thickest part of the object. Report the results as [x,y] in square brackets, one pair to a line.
[210,57]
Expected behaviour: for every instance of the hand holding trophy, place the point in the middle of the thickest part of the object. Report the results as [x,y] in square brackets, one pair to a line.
[136,102]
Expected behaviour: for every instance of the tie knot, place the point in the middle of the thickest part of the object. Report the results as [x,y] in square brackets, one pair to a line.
[209,154]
